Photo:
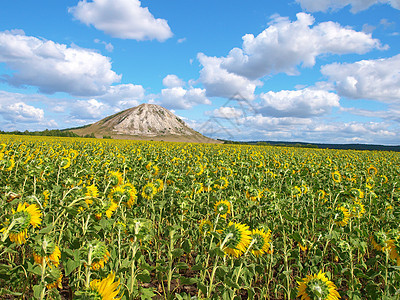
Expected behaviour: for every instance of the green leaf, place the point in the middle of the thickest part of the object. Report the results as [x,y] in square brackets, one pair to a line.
[37,290]
[146,294]
[181,266]
[70,266]
[187,246]
[177,253]
[47,229]
[187,280]
[144,277]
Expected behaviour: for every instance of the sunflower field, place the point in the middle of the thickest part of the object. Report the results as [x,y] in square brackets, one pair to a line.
[114,219]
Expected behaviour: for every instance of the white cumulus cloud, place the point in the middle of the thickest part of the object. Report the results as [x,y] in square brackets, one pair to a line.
[219,82]
[227,112]
[54,67]
[125,19]
[302,103]
[172,80]
[356,5]
[88,109]
[377,79]
[284,45]
[180,98]
[21,112]
[124,95]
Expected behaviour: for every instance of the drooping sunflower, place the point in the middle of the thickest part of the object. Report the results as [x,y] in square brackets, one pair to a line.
[341,216]
[336,176]
[131,193]
[153,169]
[297,191]
[261,241]
[148,191]
[100,254]
[372,171]
[57,283]
[380,241]
[205,227]
[159,185]
[321,195]
[237,238]
[222,208]
[47,251]
[395,250]
[115,178]
[108,207]
[197,188]
[25,215]
[370,183]
[357,193]
[254,194]
[357,209]
[92,191]
[222,183]
[65,162]
[317,286]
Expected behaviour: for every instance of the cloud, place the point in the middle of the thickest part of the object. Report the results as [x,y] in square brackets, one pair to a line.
[109,47]
[55,67]
[88,109]
[219,82]
[124,95]
[227,112]
[124,19]
[367,79]
[21,112]
[356,5]
[172,80]
[284,45]
[303,103]
[180,98]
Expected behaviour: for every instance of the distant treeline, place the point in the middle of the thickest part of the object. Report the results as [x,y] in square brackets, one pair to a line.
[55,132]
[319,145]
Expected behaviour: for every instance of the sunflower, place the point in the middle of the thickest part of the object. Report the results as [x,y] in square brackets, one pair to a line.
[108,208]
[254,194]
[357,209]
[65,162]
[381,241]
[261,241]
[152,169]
[357,193]
[48,251]
[321,195]
[395,250]
[222,208]
[100,254]
[341,216]
[222,183]
[115,178]
[159,185]
[317,286]
[57,283]
[92,191]
[297,191]
[10,164]
[21,219]
[131,193]
[197,187]
[237,238]
[205,226]
[372,171]
[149,190]
[336,176]
[105,289]
[369,183]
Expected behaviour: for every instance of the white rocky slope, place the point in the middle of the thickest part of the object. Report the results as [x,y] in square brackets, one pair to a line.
[146,120]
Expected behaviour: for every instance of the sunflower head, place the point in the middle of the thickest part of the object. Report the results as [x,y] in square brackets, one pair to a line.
[65,162]
[341,216]
[357,209]
[236,238]
[336,176]
[92,191]
[98,252]
[372,171]
[149,190]
[205,227]
[24,216]
[222,208]
[380,241]
[105,289]
[261,241]
[115,178]
[46,249]
[317,286]
[131,194]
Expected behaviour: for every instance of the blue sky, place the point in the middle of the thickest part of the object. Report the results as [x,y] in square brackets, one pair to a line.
[300,70]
